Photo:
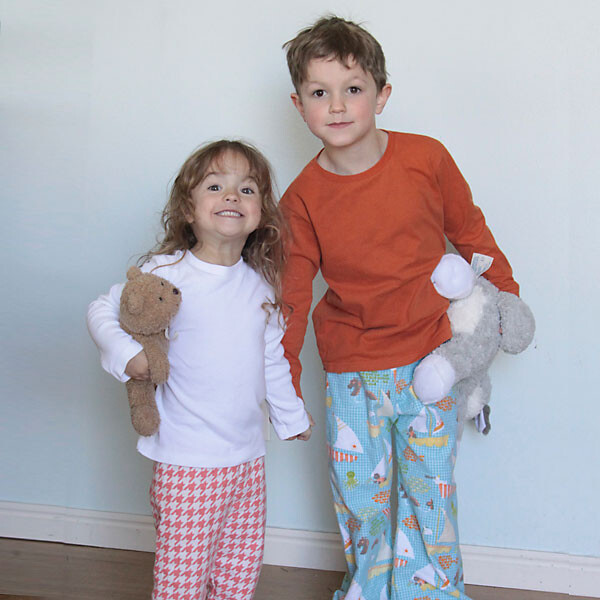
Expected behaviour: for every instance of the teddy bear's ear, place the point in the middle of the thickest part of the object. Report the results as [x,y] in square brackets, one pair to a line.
[134,302]
[133,273]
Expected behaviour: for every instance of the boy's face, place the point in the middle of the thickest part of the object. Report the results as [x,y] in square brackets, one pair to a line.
[339,102]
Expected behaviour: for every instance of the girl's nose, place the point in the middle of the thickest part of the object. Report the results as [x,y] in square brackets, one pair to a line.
[232,196]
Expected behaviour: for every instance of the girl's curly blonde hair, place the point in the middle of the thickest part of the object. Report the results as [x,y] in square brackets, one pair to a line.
[264,248]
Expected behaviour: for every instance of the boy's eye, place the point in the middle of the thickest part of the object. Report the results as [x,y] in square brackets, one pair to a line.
[354,89]
[319,93]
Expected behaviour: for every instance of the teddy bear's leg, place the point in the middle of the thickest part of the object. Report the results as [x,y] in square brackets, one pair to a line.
[144,414]
[433,379]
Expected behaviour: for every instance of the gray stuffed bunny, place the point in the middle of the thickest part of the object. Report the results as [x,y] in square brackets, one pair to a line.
[483,320]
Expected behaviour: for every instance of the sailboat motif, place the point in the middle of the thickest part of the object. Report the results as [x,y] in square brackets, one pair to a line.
[383,560]
[355,592]
[381,472]
[446,489]
[374,424]
[448,534]
[376,417]
[340,508]
[346,538]
[384,593]
[426,577]
[421,424]
[445,540]
[403,549]
[386,409]
[347,545]
[347,446]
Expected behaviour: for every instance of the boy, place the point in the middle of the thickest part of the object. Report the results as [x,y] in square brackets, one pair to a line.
[372,210]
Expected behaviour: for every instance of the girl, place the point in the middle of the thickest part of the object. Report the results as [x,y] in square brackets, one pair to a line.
[222,247]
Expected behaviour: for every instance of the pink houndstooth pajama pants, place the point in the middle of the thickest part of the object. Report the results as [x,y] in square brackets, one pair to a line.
[210,526]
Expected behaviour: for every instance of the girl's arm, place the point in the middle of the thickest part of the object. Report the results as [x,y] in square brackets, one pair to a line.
[286,409]
[116,347]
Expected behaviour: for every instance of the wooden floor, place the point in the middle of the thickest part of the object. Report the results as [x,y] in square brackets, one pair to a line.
[44,570]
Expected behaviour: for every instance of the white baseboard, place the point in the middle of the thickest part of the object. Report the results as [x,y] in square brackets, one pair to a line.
[498,567]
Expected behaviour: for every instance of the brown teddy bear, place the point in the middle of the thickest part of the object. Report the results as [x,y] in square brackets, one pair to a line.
[148,303]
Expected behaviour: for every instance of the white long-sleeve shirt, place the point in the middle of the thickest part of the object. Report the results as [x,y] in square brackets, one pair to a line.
[225,357]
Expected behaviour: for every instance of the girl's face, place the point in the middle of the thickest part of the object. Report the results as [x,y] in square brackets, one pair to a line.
[225,206]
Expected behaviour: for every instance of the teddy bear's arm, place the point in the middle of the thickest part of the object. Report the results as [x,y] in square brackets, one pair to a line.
[116,346]
[155,349]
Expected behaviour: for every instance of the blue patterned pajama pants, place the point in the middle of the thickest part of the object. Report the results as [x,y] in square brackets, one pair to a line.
[378,431]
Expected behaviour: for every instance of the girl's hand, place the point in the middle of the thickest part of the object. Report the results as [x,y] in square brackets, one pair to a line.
[138,368]
[305,435]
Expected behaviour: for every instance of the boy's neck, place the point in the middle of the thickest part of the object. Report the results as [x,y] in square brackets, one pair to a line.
[358,157]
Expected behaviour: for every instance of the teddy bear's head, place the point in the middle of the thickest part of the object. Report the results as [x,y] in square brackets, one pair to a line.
[148,302]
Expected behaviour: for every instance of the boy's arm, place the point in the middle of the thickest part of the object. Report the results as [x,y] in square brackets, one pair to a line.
[286,409]
[116,347]
[465,227]
[303,263]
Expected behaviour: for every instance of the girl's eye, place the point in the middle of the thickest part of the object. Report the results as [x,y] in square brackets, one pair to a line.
[353,89]
[214,187]
[319,93]
[247,190]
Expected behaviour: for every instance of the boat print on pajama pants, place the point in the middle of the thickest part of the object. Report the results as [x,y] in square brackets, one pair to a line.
[376,428]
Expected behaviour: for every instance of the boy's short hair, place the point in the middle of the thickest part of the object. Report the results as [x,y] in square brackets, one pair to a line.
[337,38]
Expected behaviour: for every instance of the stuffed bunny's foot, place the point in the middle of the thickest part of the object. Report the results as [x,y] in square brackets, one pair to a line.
[433,379]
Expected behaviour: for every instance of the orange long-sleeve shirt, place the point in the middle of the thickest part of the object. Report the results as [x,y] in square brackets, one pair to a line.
[377,236]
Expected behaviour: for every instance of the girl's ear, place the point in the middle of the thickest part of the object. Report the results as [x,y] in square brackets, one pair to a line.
[188,212]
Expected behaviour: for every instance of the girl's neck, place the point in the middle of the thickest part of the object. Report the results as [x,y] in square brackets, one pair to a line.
[224,255]
[356,158]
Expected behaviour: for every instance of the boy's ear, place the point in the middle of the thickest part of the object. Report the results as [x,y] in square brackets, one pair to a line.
[297,102]
[382,98]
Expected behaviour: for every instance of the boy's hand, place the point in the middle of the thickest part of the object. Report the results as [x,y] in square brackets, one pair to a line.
[138,368]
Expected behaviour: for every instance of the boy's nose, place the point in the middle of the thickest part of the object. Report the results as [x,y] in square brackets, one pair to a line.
[336,105]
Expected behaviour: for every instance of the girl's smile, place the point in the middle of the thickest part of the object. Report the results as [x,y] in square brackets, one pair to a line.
[230,213]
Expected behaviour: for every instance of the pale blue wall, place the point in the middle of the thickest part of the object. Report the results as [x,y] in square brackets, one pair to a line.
[102,101]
